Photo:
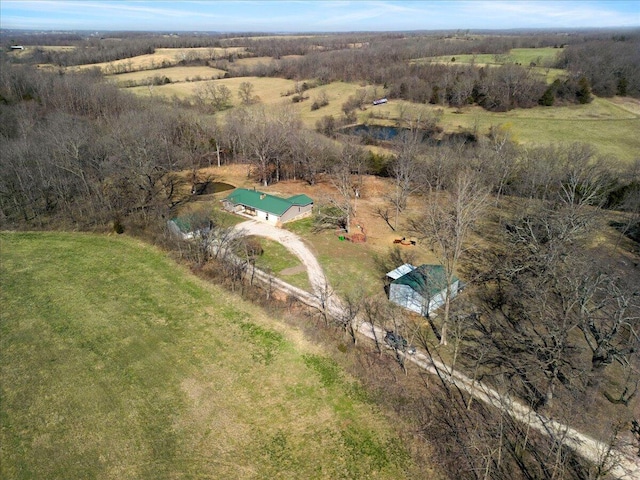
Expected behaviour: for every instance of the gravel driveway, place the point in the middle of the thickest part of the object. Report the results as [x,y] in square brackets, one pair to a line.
[294,244]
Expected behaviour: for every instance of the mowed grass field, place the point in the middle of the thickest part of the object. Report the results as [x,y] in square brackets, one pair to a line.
[543,58]
[118,363]
[524,56]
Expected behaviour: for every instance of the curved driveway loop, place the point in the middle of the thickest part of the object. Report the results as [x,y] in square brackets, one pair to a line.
[294,244]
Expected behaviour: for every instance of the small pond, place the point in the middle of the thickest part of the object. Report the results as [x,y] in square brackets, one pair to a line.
[372,134]
[208,188]
[377,132]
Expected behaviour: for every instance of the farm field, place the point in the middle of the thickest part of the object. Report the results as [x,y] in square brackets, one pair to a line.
[175,74]
[268,89]
[542,57]
[161,57]
[110,371]
[250,61]
[608,124]
[524,56]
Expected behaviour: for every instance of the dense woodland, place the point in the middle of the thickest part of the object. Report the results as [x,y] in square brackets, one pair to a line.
[551,318]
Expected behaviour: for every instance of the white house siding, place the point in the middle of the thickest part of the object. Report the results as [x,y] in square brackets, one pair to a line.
[267,217]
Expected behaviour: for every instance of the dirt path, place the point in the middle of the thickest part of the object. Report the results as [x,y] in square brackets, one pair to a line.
[624,465]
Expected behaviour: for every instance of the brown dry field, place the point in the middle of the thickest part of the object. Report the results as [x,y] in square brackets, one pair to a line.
[250,61]
[268,89]
[170,55]
[175,74]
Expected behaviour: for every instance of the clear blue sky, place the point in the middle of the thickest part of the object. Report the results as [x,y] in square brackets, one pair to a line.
[316,15]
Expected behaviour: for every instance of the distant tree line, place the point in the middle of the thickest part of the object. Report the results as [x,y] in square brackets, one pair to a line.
[606,63]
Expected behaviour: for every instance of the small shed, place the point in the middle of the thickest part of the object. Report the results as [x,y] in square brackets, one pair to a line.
[189,227]
[422,289]
[269,208]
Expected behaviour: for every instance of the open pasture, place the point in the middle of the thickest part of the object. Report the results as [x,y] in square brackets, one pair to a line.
[539,59]
[268,89]
[175,74]
[118,363]
[524,56]
[250,62]
[610,125]
[337,94]
[160,58]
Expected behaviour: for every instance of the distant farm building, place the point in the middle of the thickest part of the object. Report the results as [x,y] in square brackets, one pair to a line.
[422,289]
[380,101]
[268,208]
[17,47]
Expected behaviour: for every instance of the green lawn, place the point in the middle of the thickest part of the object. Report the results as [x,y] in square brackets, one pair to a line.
[609,128]
[118,363]
[282,263]
[349,267]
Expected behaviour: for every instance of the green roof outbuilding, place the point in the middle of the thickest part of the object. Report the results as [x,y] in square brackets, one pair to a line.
[423,290]
[427,280]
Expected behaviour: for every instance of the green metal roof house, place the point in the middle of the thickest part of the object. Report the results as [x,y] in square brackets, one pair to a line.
[269,208]
[422,289]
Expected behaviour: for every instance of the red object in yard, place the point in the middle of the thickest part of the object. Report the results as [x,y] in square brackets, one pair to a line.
[357,238]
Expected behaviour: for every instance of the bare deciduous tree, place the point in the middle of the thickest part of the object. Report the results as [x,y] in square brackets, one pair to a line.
[406,172]
[342,178]
[213,97]
[245,92]
[446,224]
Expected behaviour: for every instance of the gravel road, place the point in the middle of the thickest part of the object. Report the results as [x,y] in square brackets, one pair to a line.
[624,465]
[294,244]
